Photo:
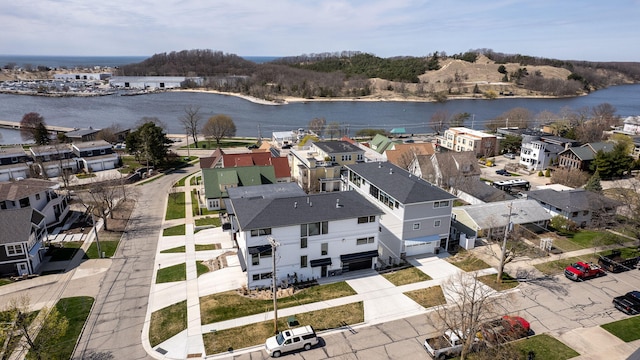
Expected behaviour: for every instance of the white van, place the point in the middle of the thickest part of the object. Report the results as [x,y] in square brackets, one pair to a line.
[289,340]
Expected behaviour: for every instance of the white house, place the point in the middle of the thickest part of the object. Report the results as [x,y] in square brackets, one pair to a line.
[52,160]
[632,125]
[417,214]
[95,155]
[35,193]
[316,235]
[13,163]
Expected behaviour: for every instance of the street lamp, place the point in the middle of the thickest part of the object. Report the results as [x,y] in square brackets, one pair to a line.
[274,245]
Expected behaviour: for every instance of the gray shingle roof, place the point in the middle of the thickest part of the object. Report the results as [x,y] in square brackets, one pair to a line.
[398,183]
[337,146]
[267,191]
[571,200]
[15,225]
[253,213]
[496,214]
[16,190]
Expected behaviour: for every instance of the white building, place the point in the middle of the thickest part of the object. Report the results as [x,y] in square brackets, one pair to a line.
[151,82]
[317,235]
[13,163]
[35,193]
[464,139]
[417,214]
[95,155]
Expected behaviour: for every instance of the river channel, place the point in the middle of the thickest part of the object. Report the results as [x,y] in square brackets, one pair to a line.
[254,119]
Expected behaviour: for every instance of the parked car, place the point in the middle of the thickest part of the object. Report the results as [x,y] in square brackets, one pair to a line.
[503,172]
[448,344]
[583,271]
[303,337]
[510,156]
[504,329]
[628,303]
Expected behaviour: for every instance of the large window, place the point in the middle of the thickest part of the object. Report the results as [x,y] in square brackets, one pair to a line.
[261,232]
[439,204]
[13,250]
[313,229]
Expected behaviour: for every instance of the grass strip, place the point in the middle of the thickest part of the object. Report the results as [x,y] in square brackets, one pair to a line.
[406,276]
[172,273]
[167,322]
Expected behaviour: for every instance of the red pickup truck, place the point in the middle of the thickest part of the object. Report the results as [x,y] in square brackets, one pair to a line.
[582,271]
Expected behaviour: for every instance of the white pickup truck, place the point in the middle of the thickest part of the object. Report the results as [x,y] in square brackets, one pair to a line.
[446,345]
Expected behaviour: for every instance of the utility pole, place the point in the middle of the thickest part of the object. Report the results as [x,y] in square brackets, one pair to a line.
[95,232]
[504,245]
[187,136]
[274,245]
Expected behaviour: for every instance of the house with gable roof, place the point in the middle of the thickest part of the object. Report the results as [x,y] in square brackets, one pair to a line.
[95,155]
[417,214]
[13,163]
[317,167]
[448,169]
[35,193]
[317,235]
[53,160]
[581,157]
[21,240]
[585,208]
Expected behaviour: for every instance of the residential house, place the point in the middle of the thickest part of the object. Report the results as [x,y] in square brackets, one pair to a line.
[464,139]
[403,154]
[213,161]
[216,182]
[280,164]
[314,236]
[13,163]
[585,208]
[581,157]
[381,143]
[448,169]
[21,240]
[490,220]
[417,214]
[38,194]
[80,135]
[632,125]
[95,155]
[53,160]
[540,152]
[479,192]
[317,167]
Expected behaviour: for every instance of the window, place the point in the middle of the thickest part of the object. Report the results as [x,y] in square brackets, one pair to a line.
[324,248]
[312,229]
[364,241]
[102,151]
[303,261]
[436,223]
[366,219]
[37,196]
[261,232]
[416,226]
[255,259]
[13,250]
[438,204]
[256,277]
[303,243]
[14,160]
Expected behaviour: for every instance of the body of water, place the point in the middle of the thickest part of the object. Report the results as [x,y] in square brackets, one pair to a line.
[253,119]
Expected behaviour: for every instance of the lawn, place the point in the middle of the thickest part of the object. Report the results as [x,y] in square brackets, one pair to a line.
[179,249]
[205,247]
[76,310]
[428,297]
[108,247]
[197,210]
[175,230]
[67,252]
[557,267]
[181,181]
[492,281]
[201,268]
[5,281]
[230,305]
[172,273]
[167,322]
[406,276]
[215,221]
[255,334]
[627,329]
[175,206]
[211,144]
[195,180]
[590,238]
[467,262]
[542,346]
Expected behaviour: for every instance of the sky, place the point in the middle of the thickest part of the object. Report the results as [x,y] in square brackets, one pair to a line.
[593,30]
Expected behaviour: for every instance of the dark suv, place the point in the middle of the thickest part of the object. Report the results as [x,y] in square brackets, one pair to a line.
[628,303]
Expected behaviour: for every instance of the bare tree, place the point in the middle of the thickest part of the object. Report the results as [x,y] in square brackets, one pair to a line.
[191,120]
[439,121]
[334,130]
[100,198]
[218,127]
[470,303]
[569,177]
[317,126]
[109,134]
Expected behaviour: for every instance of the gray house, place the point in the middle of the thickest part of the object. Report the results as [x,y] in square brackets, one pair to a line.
[417,214]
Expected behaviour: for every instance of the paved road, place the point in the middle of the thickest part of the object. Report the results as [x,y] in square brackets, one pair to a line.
[113,330]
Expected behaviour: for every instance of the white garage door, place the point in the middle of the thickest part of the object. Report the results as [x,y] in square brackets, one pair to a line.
[413,248]
[109,165]
[96,167]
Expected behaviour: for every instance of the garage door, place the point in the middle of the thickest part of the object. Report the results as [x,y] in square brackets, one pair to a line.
[96,167]
[109,165]
[357,265]
[413,248]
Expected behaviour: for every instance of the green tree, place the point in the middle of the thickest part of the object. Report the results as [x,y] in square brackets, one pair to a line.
[502,69]
[29,125]
[41,135]
[614,163]
[593,184]
[54,326]
[511,143]
[218,127]
[149,143]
